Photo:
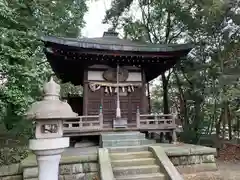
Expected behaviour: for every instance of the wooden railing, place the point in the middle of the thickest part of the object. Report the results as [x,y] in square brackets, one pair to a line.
[84,123]
[155,121]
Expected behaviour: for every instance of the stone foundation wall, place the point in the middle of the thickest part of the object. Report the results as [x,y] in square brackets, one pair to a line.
[194,163]
[199,167]
[77,171]
[189,161]
[11,172]
[78,168]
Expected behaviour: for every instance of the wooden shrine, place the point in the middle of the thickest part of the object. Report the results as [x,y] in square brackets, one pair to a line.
[114,74]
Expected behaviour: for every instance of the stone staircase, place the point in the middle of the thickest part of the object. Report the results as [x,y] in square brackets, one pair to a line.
[135,165]
[130,157]
[119,139]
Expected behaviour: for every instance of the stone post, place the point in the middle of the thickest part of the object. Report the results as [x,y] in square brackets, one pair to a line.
[174,135]
[138,118]
[49,143]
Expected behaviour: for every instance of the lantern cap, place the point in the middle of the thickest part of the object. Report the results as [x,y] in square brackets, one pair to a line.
[50,107]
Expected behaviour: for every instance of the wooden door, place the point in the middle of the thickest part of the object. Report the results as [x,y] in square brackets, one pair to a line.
[109,109]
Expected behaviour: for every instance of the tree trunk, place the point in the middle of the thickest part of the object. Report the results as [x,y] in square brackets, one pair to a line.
[218,131]
[183,104]
[229,120]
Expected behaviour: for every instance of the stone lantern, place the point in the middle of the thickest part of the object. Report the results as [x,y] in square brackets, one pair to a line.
[49,143]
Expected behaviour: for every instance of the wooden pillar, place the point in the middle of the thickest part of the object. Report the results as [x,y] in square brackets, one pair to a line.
[143,93]
[85,93]
[100,117]
[149,99]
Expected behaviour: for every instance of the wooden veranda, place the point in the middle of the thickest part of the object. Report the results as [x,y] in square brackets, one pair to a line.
[94,125]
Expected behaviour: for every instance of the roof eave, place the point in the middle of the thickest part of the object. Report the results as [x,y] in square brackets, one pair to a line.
[116,47]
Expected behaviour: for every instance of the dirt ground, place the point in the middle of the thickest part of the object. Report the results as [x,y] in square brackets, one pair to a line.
[230,170]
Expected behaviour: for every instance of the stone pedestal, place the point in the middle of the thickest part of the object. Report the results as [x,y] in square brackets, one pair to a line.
[120,123]
[48,153]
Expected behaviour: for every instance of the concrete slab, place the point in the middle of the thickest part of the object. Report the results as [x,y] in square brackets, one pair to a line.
[71,151]
[170,149]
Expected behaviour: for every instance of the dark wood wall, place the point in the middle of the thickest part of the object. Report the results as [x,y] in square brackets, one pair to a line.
[128,104]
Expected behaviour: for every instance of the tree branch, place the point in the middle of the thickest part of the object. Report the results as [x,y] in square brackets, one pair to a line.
[175,36]
[184,75]
[168,27]
[146,20]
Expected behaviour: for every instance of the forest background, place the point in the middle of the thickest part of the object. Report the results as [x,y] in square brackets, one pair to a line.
[204,87]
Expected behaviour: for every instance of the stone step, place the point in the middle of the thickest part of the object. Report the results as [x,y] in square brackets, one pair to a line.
[128,148]
[152,176]
[133,162]
[126,142]
[131,155]
[122,132]
[134,170]
[124,135]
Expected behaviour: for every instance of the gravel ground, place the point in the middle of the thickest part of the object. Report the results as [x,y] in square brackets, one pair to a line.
[229,170]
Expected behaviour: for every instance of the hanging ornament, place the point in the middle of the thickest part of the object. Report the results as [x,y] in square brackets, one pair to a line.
[123,89]
[110,89]
[106,90]
[129,89]
[132,88]
[94,87]
[115,90]
[98,87]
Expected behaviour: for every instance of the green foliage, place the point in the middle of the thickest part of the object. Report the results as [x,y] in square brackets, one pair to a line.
[204,87]
[22,61]
[12,155]
[23,66]
[68,89]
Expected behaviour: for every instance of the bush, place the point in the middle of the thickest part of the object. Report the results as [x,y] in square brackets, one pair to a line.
[13,144]
[10,155]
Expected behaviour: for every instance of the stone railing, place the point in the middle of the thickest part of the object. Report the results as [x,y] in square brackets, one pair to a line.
[106,171]
[166,165]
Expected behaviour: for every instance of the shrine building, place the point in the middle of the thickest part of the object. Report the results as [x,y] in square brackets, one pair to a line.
[114,74]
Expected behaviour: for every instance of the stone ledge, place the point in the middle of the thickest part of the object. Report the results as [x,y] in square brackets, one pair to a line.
[31,160]
[204,167]
[203,176]
[186,149]
[192,159]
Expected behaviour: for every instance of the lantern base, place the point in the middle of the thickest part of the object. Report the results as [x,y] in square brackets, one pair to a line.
[48,154]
